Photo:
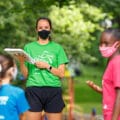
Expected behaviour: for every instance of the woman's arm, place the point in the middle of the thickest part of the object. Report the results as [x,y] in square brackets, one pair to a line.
[60,71]
[94,86]
[116,109]
[24,69]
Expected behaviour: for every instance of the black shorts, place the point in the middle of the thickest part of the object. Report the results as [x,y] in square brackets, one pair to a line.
[48,99]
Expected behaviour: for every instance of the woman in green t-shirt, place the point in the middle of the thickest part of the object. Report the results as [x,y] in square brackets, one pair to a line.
[43,87]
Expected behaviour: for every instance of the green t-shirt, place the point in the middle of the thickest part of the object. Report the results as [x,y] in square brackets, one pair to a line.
[53,54]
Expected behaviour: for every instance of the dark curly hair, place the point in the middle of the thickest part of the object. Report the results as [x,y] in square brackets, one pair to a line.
[115,32]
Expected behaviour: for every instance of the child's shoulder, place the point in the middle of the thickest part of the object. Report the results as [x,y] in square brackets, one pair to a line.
[116,60]
[16,89]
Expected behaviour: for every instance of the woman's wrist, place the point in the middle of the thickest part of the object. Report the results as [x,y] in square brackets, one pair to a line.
[49,68]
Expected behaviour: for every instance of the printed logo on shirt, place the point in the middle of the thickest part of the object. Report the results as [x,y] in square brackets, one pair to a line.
[45,56]
[2,117]
[3,100]
[105,106]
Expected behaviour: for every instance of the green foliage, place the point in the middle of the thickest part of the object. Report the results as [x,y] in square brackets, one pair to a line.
[110,7]
[74,25]
[11,31]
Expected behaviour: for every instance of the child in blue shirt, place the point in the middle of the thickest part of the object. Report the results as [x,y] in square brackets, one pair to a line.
[13,103]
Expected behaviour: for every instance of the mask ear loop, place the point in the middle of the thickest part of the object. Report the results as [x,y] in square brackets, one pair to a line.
[0,68]
[117,45]
[14,72]
[0,72]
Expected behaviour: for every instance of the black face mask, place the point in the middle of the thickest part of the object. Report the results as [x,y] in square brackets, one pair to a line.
[44,34]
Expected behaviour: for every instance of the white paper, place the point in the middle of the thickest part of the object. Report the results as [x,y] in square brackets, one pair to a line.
[19,51]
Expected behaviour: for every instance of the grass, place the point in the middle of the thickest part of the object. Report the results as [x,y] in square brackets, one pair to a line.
[86,98]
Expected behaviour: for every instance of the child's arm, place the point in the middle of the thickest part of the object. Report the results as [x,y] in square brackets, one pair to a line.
[94,86]
[23,116]
[116,108]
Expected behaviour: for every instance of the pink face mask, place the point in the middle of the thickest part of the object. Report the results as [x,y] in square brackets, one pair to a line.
[108,51]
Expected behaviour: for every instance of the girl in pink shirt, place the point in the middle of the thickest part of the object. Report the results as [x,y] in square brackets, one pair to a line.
[110,48]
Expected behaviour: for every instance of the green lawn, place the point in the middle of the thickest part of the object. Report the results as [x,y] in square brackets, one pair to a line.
[86,98]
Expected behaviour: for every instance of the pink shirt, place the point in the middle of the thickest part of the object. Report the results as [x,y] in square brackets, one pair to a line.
[111,80]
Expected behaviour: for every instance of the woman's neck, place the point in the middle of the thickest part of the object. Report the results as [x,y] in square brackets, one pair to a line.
[43,42]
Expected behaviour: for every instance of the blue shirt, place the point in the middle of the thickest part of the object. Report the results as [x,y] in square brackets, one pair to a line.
[12,102]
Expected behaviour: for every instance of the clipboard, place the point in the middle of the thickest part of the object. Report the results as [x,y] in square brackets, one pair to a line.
[18,51]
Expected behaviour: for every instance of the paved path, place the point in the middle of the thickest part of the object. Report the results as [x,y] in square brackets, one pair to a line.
[83,117]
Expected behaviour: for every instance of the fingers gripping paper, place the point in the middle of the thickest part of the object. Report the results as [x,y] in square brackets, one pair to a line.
[18,51]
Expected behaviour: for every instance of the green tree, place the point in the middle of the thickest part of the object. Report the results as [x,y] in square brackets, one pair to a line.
[75,23]
[110,7]
[74,27]
[11,15]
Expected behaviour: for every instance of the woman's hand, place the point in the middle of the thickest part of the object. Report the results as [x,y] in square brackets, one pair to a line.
[43,65]
[21,58]
[60,71]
